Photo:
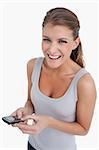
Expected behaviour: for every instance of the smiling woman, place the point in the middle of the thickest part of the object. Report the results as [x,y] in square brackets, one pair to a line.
[58,46]
[67,19]
[61,92]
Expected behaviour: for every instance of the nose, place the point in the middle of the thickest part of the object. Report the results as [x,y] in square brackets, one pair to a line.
[53,48]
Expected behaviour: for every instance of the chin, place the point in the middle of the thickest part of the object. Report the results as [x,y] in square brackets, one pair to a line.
[54,65]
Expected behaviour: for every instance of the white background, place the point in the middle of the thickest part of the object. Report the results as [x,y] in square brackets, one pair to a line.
[20,40]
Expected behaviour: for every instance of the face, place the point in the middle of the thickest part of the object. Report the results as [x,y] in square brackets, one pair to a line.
[57,44]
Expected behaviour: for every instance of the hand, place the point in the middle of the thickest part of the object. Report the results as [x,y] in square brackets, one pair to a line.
[20,112]
[42,122]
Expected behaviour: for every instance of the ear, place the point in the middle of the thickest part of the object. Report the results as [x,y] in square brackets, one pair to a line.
[76,43]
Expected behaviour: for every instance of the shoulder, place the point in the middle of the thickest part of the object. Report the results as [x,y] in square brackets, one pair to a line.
[86,86]
[86,81]
[31,62]
[30,65]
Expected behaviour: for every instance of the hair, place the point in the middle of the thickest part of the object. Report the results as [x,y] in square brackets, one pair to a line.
[65,17]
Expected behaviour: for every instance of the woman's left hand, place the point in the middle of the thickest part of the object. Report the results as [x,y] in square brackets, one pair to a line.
[41,122]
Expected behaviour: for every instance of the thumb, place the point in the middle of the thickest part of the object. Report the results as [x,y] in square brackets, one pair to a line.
[19,114]
[33,116]
[13,114]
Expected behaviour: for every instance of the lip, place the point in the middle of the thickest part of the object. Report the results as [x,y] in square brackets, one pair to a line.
[54,57]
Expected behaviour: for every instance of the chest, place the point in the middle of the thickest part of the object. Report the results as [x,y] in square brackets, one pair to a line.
[54,87]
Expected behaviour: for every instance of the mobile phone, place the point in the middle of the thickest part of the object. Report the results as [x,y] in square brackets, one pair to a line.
[11,119]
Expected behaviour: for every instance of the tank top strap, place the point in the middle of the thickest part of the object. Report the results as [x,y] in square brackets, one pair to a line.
[80,73]
[37,69]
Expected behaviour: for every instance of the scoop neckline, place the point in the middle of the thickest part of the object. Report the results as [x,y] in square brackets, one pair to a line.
[61,97]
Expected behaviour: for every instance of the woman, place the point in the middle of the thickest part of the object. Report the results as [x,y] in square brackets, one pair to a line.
[61,93]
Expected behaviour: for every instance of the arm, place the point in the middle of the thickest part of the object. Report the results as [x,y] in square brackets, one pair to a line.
[85,108]
[29,105]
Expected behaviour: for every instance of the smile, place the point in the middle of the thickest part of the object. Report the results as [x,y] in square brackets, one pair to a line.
[54,57]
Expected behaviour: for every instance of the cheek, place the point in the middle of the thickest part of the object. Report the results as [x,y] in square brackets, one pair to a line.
[45,47]
[67,50]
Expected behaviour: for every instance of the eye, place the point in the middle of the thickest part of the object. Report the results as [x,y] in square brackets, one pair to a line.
[46,40]
[62,41]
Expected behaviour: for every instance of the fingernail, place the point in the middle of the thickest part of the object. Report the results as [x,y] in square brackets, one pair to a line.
[33,114]
[14,125]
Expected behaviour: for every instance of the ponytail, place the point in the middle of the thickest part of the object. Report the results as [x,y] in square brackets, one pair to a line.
[77,55]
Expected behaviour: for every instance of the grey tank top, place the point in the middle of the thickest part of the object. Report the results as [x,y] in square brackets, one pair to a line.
[62,108]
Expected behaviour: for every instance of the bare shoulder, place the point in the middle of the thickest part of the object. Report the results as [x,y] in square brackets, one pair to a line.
[30,66]
[31,62]
[86,81]
[86,86]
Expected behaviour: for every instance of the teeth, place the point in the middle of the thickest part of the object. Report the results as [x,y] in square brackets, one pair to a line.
[54,57]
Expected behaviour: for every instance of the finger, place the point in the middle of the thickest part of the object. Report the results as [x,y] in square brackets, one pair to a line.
[22,126]
[29,132]
[19,114]
[13,114]
[35,117]
[14,125]
[31,122]
[28,117]
[28,127]
[20,123]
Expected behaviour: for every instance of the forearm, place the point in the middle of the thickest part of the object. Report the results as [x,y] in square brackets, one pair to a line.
[71,128]
[29,107]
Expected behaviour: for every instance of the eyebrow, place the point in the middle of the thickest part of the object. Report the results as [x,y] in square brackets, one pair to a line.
[62,38]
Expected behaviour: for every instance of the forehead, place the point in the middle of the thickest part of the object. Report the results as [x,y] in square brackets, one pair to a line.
[57,31]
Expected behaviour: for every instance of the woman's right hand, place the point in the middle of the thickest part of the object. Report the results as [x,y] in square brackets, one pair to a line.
[19,113]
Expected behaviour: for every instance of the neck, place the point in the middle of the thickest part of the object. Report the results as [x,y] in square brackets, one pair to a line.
[68,68]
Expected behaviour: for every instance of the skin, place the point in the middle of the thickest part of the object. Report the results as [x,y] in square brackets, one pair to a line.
[58,41]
